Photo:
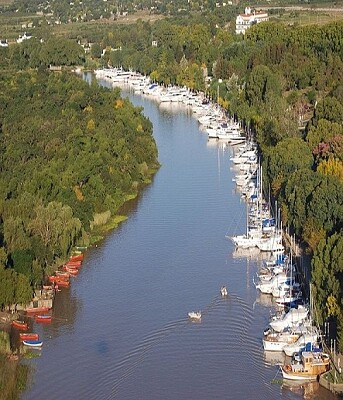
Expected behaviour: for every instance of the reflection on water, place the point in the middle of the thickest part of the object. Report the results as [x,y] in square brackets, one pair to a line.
[307,390]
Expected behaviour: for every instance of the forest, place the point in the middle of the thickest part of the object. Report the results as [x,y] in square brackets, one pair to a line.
[71,155]
[283,82]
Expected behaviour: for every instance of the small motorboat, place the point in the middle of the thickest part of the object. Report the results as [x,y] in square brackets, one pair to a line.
[33,343]
[43,319]
[223,291]
[28,336]
[195,315]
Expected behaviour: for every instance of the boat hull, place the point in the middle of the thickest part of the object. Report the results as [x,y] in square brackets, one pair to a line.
[43,319]
[23,326]
[37,310]
[297,376]
[28,336]
[33,343]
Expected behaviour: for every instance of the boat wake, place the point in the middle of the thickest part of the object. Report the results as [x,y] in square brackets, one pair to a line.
[218,327]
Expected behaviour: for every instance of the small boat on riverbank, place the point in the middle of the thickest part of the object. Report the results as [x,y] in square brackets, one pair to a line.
[33,343]
[194,315]
[72,271]
[308,366]
[43,319]
[28,336]
[21,325]
[73,264]
[77,257]
[34,310]
[59,281]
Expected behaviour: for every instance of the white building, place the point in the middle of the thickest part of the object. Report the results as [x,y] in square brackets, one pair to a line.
[249,18]
[26,36]
[3,43]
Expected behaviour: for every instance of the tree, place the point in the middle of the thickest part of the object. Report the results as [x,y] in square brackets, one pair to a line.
[262,86]
[327,274]
[23,290]
[288,156]
[56,227]
[323,132]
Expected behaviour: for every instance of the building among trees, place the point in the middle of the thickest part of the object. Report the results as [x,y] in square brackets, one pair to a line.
[249,18]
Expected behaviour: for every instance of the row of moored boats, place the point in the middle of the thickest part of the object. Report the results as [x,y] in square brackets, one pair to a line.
[290,330]
[42,314]
[212,119]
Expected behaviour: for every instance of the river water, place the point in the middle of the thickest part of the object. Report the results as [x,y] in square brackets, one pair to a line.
[121,330]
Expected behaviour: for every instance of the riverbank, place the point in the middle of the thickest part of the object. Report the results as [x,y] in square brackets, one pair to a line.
[333,379]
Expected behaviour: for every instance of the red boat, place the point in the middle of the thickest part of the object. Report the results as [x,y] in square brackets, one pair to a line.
[71,270]
[78,257]
[43,319]
[28,336]
[63,274]
[21,325]
[76,264]
[61,283]
[54,278]
[34,310]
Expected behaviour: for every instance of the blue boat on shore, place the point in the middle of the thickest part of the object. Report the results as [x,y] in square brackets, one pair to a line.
[33,343]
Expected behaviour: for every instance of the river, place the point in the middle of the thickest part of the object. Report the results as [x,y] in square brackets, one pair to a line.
[121,330]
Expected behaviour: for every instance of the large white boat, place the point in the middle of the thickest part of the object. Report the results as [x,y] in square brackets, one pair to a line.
[276,341]
[272,243]
[305,339]
[267,286]
[293,317]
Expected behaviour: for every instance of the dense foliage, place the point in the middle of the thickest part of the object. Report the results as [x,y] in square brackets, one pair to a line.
[71,153]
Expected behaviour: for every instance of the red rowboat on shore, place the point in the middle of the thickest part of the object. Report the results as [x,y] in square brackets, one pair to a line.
[63,274]
[54,278]
[71,270]
[60,283]
[21,325]
[78,257]
[28,336]
[44,319]
[75,264]
[34,310]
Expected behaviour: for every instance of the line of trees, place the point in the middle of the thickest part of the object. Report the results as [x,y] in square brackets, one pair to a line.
[71,154]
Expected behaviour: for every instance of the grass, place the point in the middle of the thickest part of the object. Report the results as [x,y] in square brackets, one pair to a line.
[99,232]
[313,16]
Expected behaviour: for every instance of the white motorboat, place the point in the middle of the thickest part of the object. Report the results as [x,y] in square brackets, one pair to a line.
[293,317]
[276,341]
[195,315]
[223,291]
[304,340]
[267,286]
